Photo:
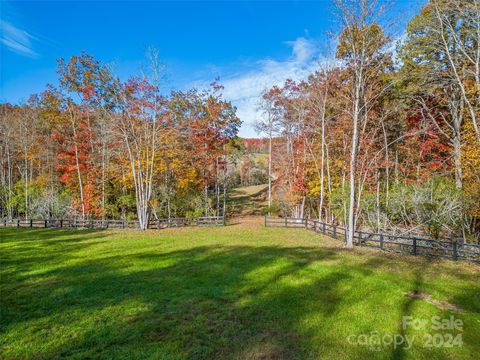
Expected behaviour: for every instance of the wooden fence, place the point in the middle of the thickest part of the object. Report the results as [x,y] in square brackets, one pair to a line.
[113,224]
[395,243]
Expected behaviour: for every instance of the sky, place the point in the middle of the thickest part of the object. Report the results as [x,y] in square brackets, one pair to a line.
[250,45]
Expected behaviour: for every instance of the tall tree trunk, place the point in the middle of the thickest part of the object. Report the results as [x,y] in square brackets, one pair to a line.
[322,171]
[10,183]
[103,178]
[77,163]
[26,183]
[378,202]
[225,189]
[217,188]
[457,146]
[269,170]
[353,161]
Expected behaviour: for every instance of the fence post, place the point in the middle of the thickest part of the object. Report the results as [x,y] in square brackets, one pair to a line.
[18,223]
[286,225]
[265,220]
[414,246]
[381,241]
[306,223]
[31,223]
[223,220]
[46,223]
[455,250]
[324,228]
[334,231]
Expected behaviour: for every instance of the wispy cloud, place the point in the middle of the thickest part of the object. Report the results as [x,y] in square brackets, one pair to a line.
[17,40]
[245,88]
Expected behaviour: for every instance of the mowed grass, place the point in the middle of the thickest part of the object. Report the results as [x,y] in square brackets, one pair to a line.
[236,292]
[248,190]
[248,200]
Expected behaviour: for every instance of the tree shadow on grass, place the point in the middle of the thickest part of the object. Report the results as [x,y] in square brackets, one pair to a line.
[399,351]
[23,249]
[14,235]
[414,305]
[205,302]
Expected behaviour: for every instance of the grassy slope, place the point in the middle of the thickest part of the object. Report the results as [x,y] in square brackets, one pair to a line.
[242,291]
[248,200]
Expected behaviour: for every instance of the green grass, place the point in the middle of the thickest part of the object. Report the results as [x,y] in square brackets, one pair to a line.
[253,190]
[248,200]
[242,291]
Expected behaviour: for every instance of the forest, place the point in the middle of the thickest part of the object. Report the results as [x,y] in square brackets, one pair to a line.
[384,136]
[99,147]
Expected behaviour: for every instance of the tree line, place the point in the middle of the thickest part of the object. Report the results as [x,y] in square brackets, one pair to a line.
[386,136]
[99,147]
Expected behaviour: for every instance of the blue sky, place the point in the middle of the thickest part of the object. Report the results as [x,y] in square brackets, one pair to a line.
[251,45]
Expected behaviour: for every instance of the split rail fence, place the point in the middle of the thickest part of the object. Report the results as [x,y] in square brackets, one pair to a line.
[112,224]
[394,243]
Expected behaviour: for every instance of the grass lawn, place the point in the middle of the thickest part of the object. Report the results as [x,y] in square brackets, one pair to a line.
[248,200]
[249,190]
[240,291]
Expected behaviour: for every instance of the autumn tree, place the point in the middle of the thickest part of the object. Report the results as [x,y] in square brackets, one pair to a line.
[269,125]
[362,49]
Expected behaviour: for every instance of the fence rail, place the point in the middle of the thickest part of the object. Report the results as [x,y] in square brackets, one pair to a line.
[386,242]
[113,224]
